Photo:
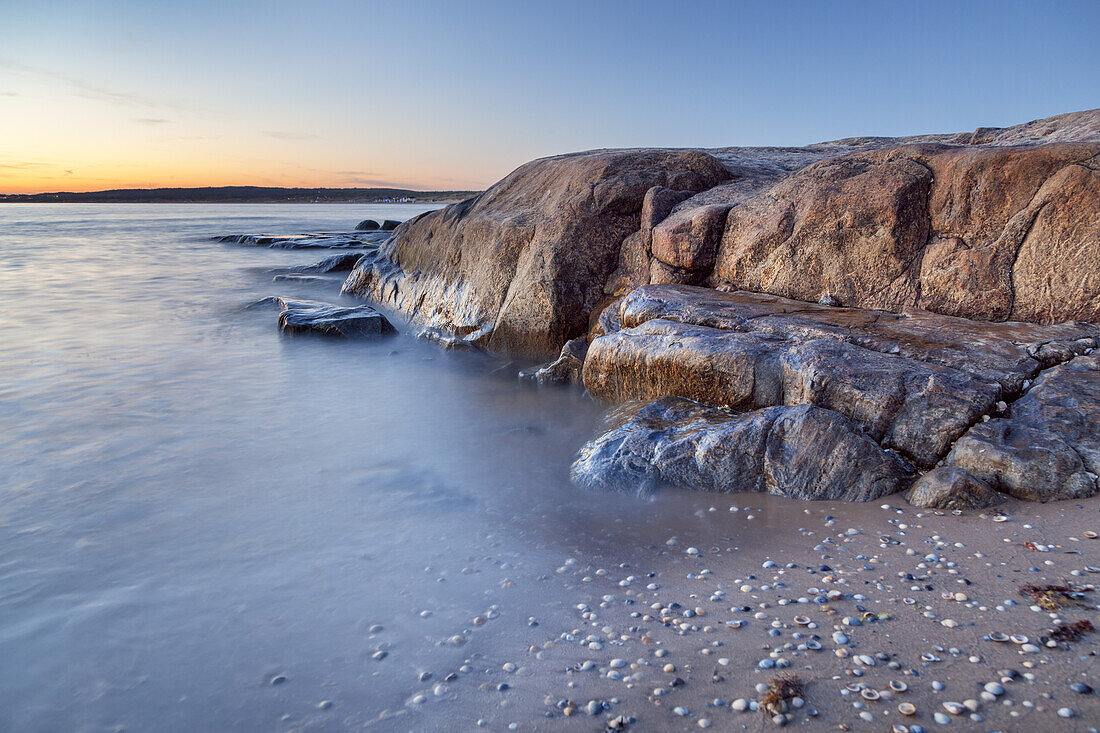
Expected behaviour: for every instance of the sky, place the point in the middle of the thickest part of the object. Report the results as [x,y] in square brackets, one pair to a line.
[454,95]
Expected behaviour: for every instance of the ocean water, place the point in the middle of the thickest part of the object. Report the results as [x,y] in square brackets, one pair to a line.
[204,523]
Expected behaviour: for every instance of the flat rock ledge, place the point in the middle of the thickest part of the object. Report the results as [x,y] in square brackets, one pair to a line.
[1014,404]
[325,319]
[798,451]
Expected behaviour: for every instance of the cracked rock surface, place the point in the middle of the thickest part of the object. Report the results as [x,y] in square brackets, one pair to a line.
[921,384]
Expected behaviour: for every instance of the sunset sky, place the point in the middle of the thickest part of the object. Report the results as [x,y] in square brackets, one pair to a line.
[453,95]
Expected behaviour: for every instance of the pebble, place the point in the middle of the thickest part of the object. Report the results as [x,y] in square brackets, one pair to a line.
[1066,713]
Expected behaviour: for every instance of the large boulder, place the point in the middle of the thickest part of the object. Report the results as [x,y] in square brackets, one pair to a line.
[988,233]
[525,262]
[802,452]
[367,225]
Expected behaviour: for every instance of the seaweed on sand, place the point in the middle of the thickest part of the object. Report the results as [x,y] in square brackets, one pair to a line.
[1072,632]
[1053,597]
[781,688]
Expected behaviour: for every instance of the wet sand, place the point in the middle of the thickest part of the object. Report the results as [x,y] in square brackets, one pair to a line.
[896,566]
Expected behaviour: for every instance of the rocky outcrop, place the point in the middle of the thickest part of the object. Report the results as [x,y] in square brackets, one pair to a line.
[390,224]
[911,287]
[1048,445]
[324,319]
[951,489]
[524,263]
[915,382]
[803,452]
[367,225]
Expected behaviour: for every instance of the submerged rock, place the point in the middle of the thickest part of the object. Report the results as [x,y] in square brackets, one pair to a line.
[800,451]
[343,262]
[325,319]
[566,369]
[951,488]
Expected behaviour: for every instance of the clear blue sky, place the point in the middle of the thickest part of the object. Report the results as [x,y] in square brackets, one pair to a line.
[456,94]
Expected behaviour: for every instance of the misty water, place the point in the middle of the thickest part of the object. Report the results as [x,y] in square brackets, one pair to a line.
[204,523]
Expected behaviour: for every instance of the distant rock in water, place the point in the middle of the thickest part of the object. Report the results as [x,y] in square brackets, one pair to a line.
[799,451]
[324,319]
[389,225]
[302,241]
[343,262]
[293,277]
[367,225]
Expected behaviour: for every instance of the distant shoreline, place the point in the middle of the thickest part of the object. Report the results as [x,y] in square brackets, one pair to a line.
[242,195]
[201,201]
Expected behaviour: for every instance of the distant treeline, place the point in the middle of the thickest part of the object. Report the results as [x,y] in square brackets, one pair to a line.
[238,194]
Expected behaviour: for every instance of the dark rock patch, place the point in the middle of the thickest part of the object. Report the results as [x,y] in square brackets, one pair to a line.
[801,451]
[324,319]
[951,489]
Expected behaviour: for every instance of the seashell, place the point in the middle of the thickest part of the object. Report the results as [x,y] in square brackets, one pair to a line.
[802,620]
[898,686]
[1019,639]
[929,657]
[1000,518]
[815,645]
[1090,534]
[998,637]
[869,694]
[907,708]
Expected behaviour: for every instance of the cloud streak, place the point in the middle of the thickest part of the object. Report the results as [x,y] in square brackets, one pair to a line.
[87,90]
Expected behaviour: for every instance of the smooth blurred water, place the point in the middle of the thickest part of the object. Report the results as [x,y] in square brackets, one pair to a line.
[191,504]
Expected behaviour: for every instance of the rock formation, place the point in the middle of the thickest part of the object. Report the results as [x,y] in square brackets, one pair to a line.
[931,295]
